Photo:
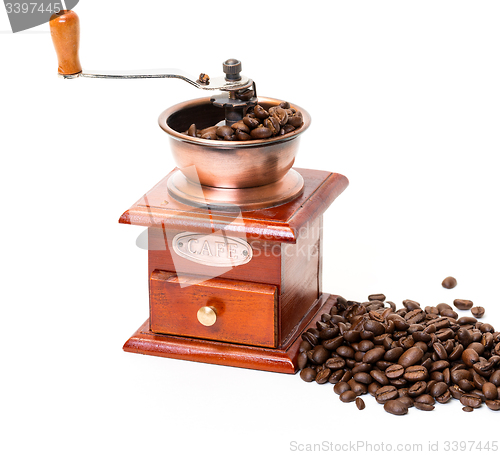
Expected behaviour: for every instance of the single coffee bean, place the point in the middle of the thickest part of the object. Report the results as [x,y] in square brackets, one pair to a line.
[192,130]
[308,374]
[477,311]
[261,132]
[417,389]
[466,320]
[444,397]
[386,393]
[438,389]
[396,407]
[251,122]
[360,404]
[449,282]
[470,357]
[379,376]
[416,373]
[357,387]
[424,406]
[467,399]
[373,355]
[411,357]
[406,400]
[456,392]
[347,396]
[425,398]
[365,378]
[332,344]
[224,131]
[467,409]
[373,387]
[323,376]
[394,371]
[302,360]
[495,378]
[320,354]
[335,377]
[345,351]
[260,112]
[490,391]
[463,304]
[440,351]
[310,338]
[366,345]
[411,305]
[379,297]
[341,387]
[494,405]
[335,363]
[393,354]
[242,136]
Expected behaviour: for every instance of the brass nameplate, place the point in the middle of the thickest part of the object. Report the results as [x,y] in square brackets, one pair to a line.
[212,249]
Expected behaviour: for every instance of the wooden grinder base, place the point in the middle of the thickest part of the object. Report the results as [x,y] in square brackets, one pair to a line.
[283,360]
[262,306]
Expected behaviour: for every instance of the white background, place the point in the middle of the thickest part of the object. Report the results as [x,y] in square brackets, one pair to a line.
[405,101]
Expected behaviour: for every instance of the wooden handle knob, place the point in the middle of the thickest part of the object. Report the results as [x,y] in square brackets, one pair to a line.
[65,31]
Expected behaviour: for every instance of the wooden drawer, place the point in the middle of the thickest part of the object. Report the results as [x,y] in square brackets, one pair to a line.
[245,312]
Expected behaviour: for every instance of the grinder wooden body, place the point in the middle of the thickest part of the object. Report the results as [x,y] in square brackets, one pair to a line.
[260,307]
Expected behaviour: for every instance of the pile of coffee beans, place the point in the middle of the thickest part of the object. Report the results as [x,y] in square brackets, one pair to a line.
[258,123]
[407,357]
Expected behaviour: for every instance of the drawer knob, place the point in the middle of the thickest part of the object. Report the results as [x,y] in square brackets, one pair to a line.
[207,315]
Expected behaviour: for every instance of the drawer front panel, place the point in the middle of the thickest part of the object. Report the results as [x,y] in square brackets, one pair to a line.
[239,311]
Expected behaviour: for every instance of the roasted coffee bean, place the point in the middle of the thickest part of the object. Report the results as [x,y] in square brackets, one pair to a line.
[365,378]
[465,385]
[440,351]
[281,116]
[296,119]
[380,377]
[379,297]
[406,400]
[471,400]
[240,125]
[261,132]
[449,282]
[329,333]
[335,363]
[396,407]
[456,392]
[242,136]
[477,311]
[490,391]
[273,124]
[375,327]
[393,354]
[394,371]
[360,404]
[495,378]
[348,396]
[373,355]
[494,405]
[335,377]
[341,387]
[346,376]
[302,360]
[466,320]
[438,389]
[320,354]
[323,376]
[416,373]
[411,357]
[224,131]
[438,365]
[411,305]
[351,336]
[425,398]
[260,112]
[332,344]
[424,406]
[463,304]
[345,351]
[470,357]
[251,122]
[357,387]
[308,374]
[467,409]
[373,387]
[444,397]
[386,393]
[310,338]
[365,345]
[417,389]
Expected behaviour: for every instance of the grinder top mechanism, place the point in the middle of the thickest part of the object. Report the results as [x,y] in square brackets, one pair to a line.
[239,92]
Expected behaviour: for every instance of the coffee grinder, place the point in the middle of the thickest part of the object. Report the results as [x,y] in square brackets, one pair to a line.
[234,233]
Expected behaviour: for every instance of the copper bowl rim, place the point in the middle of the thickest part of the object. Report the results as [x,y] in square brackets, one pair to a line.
[162,120]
